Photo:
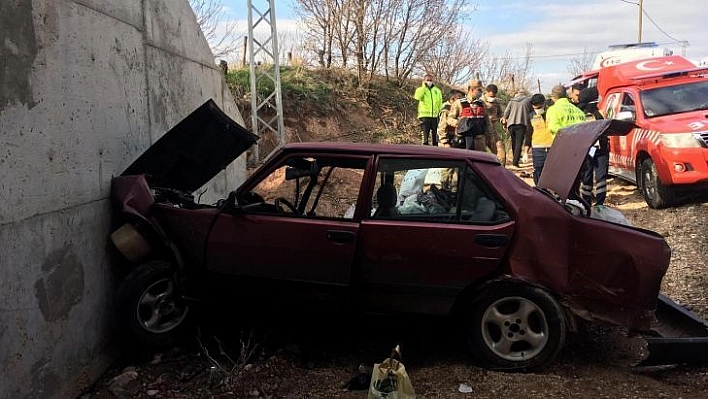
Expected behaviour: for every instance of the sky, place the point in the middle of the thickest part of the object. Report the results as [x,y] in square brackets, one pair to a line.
[558,30]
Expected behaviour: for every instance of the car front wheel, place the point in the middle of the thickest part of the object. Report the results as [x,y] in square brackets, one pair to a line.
[515,327]
[150,305]
[656,194]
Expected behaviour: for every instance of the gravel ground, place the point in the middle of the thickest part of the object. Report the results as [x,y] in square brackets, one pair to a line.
[315,356]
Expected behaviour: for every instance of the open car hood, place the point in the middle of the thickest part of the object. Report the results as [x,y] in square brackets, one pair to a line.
[569,149]
[194,151]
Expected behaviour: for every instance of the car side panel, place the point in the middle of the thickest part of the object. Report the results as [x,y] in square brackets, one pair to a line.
[412,262]
[283,247]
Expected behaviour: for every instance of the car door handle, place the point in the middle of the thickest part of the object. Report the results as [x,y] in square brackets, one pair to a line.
[340,236]
[491,240]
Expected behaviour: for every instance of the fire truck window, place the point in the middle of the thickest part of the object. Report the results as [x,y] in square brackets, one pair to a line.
[628,105]
[611,104]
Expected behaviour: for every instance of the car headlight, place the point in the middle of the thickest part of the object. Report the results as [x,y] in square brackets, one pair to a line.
[680,140]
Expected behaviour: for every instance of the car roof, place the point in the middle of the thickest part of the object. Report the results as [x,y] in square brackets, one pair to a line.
[390,149]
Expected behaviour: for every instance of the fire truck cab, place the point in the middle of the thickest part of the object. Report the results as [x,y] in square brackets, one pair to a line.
[667,98]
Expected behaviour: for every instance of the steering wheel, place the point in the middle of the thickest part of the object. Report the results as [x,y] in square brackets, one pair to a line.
[283,201]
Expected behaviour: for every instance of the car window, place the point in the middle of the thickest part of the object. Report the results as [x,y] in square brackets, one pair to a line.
[434,191]
[675,99]
[310,187]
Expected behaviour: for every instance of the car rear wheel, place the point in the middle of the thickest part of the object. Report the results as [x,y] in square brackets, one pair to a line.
[515,327]
[656,194]
[151,308]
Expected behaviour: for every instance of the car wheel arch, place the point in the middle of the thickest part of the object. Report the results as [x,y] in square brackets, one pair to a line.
[162,247]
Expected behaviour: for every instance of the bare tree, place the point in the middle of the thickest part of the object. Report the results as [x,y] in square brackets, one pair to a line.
[220,33]
[581,63]
[319,21]
[455,58]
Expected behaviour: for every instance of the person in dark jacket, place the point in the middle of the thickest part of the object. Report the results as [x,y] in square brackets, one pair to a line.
[516,119]
[597,162]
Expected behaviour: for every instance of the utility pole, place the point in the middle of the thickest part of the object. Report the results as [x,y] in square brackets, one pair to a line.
[641,14]
[266,108]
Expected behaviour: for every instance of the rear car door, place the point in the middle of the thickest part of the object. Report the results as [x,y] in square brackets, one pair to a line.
[446,231]
[296,223]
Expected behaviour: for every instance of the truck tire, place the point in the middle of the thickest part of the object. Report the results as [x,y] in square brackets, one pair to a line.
[656,194]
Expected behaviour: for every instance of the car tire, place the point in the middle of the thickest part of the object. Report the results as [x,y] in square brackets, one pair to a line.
[656,194]
[151,309]
[515,327]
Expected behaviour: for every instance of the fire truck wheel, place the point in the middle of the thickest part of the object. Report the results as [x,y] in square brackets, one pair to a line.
[656,194]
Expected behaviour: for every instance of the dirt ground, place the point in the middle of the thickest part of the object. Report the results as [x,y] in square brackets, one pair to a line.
[275,356]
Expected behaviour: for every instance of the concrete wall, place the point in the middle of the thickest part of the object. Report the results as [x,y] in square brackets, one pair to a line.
[85,87]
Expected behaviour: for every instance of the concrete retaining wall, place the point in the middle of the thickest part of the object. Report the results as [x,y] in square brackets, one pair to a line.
[85,87]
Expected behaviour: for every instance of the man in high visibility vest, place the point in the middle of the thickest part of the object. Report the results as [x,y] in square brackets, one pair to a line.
[430,102]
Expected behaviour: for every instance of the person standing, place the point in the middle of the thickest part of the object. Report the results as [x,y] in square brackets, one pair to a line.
[430,100]
[597,162]
[541,137]
[493,108]
[446,132]
[562,113]
[471,108]
[516,119]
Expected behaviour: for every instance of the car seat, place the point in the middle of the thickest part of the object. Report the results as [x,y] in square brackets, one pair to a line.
[386,198]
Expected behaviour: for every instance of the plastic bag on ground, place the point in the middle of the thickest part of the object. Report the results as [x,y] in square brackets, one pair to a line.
[389,380]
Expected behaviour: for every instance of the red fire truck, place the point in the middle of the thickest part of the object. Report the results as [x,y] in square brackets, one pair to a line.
[667,98]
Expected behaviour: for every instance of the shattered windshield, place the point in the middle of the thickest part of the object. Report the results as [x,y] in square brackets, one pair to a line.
[675,99]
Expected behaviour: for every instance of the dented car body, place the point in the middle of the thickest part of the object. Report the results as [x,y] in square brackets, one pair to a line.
[390,227]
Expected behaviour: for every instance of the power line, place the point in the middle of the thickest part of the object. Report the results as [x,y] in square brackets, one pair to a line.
[629,2]
[660,30]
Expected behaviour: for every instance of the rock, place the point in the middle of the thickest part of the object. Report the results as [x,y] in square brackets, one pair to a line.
[152,392]
[247,367]
[125,384]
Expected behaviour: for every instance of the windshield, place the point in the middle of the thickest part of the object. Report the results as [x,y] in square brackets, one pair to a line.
[675,99]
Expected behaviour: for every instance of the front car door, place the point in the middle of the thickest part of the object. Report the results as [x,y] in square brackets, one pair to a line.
[620,105]
[445,232]
[296,223]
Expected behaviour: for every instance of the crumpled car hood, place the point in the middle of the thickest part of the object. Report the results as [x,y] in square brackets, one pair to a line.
[194,151]
[569,149]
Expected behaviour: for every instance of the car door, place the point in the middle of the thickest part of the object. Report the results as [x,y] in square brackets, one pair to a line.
[446,233]
[296,223]
[621,161]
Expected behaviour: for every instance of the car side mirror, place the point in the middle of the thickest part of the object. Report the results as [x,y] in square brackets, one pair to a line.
[625,116]
[229,204]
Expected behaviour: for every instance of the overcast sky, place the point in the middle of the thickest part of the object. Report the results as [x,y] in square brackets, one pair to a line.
[559,30]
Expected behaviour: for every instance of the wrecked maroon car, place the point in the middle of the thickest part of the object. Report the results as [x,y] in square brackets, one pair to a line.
[400,228]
